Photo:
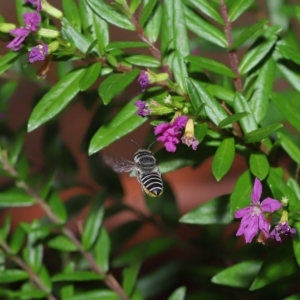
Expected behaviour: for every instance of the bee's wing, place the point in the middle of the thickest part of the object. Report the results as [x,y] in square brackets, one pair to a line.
[119,164]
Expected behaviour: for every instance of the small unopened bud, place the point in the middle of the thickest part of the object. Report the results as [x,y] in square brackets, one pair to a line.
[285,201]
[6,27]
[51,10]
[49,33]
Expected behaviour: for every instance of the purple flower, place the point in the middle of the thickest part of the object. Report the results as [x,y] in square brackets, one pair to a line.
[31,21]
[253,217]
[143,108]
[39,52]
[36,3]
[143,80]
[169,133]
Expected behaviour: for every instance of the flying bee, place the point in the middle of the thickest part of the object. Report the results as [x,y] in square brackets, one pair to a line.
[145,168]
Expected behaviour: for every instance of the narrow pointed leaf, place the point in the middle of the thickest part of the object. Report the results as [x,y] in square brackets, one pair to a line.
[240,196]
[102,249]
[57,207]
[174,27]
[263,88]
[116,83]
[8,276]
[130,276]
[296,242]
[205,7]
[223,158]
[152,27]
[178,294]
[124,122]
[259,165]
[259,134]
[255,55]
[108,13]
[143,60]
[211,65]
[95,295]
[240,275]
[289,53]
[123,45]
[146,12]
[55,100]
[237,9]
[241,105]
[14,198]
[248,33]
[76,276]
[179,69]
[71,12]
[94,221]
[233,118]
[7,60]
[200,95]
[215,211]
[287,109]
[61,243]
[90,76]
[290,147]
[204,29]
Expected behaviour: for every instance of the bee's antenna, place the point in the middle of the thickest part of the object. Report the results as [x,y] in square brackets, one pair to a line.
[136,144]
[151,145]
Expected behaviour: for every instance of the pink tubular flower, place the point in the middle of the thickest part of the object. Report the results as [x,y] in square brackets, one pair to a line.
[253,217]
[39,52]
[31,21]
[189,137]
[143,108]
[169,133]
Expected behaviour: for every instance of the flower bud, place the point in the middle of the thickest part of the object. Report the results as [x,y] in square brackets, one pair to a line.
[6,27]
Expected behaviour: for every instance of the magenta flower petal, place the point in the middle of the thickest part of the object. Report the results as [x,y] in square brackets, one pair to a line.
[263,225]
[242,212]
[143,80]
[32,20]
[252,230]
[21,34]
[181,121]
[270,205]
[256,191]
[143,109]
[37,53]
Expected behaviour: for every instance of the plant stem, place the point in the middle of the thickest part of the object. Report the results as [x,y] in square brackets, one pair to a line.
[233,59]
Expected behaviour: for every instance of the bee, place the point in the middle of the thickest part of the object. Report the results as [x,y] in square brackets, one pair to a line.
[145,168]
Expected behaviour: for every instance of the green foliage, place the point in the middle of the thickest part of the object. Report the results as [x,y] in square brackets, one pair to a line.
[236,90]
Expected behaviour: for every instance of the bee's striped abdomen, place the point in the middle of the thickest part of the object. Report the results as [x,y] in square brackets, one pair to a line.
[152,184]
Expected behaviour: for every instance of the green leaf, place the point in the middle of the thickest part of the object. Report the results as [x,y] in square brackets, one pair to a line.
[204,29]
[259,134]
[287,109]
[205,7]
[272,271]
[240,275]
[62,243]
[55,100]
[95,295]
[240,196]
[294,186]
[58,208]
[116,83]
[179,69]
[238,8]
[45,278]
[134,4]
[71,12]
[215,211]
[232,119]
[199,95]
[129,277]
[289,53]
[15,197]
[255,55]
[124,122]
[108,13]
[296,242]
[200,131]
[94,221]
[69,33]
[4,230]
[259,165]
[290,147]
[221,92]
[178,294]
[280,189]
[146,12]
[76,276]
[153,25]
[211,65]
[8,276]
[143,60]
[123,45]
[263,87]
[249,32]
[223,158]
[17,240]
[174,28]
[8,59]
[90,75]
[240,105]
[102,249]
